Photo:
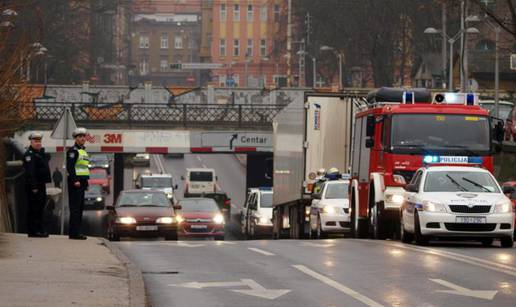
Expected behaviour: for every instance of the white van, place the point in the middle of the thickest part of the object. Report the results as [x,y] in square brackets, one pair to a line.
[162,182]
[199,181]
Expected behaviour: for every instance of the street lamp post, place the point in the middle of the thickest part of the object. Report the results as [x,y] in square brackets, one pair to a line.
[314,72]
[451,41]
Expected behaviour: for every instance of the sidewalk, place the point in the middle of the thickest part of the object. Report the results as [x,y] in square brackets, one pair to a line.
[57,271]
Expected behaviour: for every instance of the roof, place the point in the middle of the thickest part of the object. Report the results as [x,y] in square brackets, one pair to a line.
[436,168]
[157,175]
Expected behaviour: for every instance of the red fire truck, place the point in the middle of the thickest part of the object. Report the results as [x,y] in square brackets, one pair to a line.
[396,132]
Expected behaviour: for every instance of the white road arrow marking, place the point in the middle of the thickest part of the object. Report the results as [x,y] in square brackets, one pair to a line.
[224,243]
[184,244]
[260,251]
[458,290]
[317,244]
[255,288]
[259,291]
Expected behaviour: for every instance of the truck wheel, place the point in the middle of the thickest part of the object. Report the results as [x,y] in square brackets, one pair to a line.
[275,224]
[405,236]
[420,238]
[378,222]
[507,242]
[252,229]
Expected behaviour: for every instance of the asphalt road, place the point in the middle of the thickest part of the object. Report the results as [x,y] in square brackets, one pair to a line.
[337,272]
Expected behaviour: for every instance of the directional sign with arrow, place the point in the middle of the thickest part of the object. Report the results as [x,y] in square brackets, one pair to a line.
[458,290]
[255,289]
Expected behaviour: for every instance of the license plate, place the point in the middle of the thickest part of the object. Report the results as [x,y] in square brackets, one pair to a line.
[470,219]
[199,227]
[146,228]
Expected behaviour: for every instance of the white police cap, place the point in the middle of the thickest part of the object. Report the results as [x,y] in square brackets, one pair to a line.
[35,136]
[79,131]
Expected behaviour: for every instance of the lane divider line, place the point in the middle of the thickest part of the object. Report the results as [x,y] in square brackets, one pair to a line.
[260,251]
[332,283]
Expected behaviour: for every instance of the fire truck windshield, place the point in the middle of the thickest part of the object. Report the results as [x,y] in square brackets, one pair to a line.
[439,133]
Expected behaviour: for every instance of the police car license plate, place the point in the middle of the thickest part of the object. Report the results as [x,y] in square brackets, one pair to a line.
[470,219]
[147,228]
[199,227]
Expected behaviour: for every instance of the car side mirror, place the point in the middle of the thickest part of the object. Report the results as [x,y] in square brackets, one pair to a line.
[110,208]
[178,207]
[412,188]
[316,196]
[176,187]
[370,125]
[507,189]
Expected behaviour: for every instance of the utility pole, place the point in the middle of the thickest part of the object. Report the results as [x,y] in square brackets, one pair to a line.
[466,58]
[462,36]
[302,55]
[289,44]
[444,43]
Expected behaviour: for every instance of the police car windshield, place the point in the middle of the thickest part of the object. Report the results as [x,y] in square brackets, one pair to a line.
[143,199]
[156,182]
[199,205]
[460,181]
[337,191]
[440,134]
[266,200]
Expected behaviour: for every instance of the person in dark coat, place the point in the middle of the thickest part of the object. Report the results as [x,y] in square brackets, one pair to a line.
[37,175]
[57,177]
[77,166]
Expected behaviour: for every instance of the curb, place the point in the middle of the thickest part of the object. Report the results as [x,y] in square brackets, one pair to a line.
[137,291]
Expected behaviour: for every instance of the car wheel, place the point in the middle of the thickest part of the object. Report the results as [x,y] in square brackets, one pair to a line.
[418,236]
[171,237]
[507,242]
[252,230]
[112,236]
[319,232]
[406,237]
[487,242]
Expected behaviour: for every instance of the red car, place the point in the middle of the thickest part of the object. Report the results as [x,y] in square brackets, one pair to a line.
[139,213]
[200,217]
[99,176]
[510,125]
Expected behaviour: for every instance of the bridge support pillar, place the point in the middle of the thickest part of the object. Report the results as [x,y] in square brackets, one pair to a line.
[118,175]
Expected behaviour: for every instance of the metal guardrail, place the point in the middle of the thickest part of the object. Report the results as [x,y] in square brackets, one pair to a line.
[163,115]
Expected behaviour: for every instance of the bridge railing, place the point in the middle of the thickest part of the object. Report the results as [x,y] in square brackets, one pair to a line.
[180,115]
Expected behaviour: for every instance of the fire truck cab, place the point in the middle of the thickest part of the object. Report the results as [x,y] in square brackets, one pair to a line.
[394,131]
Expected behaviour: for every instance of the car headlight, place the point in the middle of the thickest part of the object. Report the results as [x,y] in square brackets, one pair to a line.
[106,165]
[503,206]
[169,195]
[218,219]
[165,220]
[99,199]
[126,220]
[263,220]
[179,219]
[329,209]
[433,207]
[394,199]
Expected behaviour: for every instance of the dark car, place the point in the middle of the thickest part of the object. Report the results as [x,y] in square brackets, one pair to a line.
[223,202]
[99,161]
[140,213]
[200,217]
[93,198]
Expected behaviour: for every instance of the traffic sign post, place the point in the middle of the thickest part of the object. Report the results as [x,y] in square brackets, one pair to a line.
[63,130]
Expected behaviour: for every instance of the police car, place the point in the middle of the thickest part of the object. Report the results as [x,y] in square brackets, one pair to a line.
[456,201]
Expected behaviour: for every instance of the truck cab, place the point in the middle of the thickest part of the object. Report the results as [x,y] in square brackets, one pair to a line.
[161,182]
[394,134]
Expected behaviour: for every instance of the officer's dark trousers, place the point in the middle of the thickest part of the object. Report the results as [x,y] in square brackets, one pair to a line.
[76,205]
[35,208]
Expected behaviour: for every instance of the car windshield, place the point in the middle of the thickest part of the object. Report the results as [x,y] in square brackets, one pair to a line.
[460,181]
[440,134]
[503,109]
[94,189]
[143,199]
[156,182]
[201,176]
[199,205]
[266,200]
[99,159]
[337,191]
[98,175]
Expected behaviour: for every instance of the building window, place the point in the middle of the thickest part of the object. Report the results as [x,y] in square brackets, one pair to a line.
[263,13]
[263,47]
[236,12]
[223,12]
[164,40]
[486,45]
[178,42]
[144,67]
[222,80]
[236,47]
[222,47]
[163,65]
[276,12]
[144,41]
[236,80]
[249,48]
[490,4]
[250,12]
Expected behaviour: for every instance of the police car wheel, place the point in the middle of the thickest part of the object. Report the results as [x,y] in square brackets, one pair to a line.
[405,236]
[320,233]
[507,242]
[420,238]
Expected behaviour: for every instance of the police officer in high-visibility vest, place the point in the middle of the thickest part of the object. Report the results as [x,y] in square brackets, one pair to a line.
[37,175]
[77,162]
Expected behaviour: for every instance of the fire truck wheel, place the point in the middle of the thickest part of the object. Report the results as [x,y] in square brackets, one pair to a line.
[378,223]
[406,237]
[420,238]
